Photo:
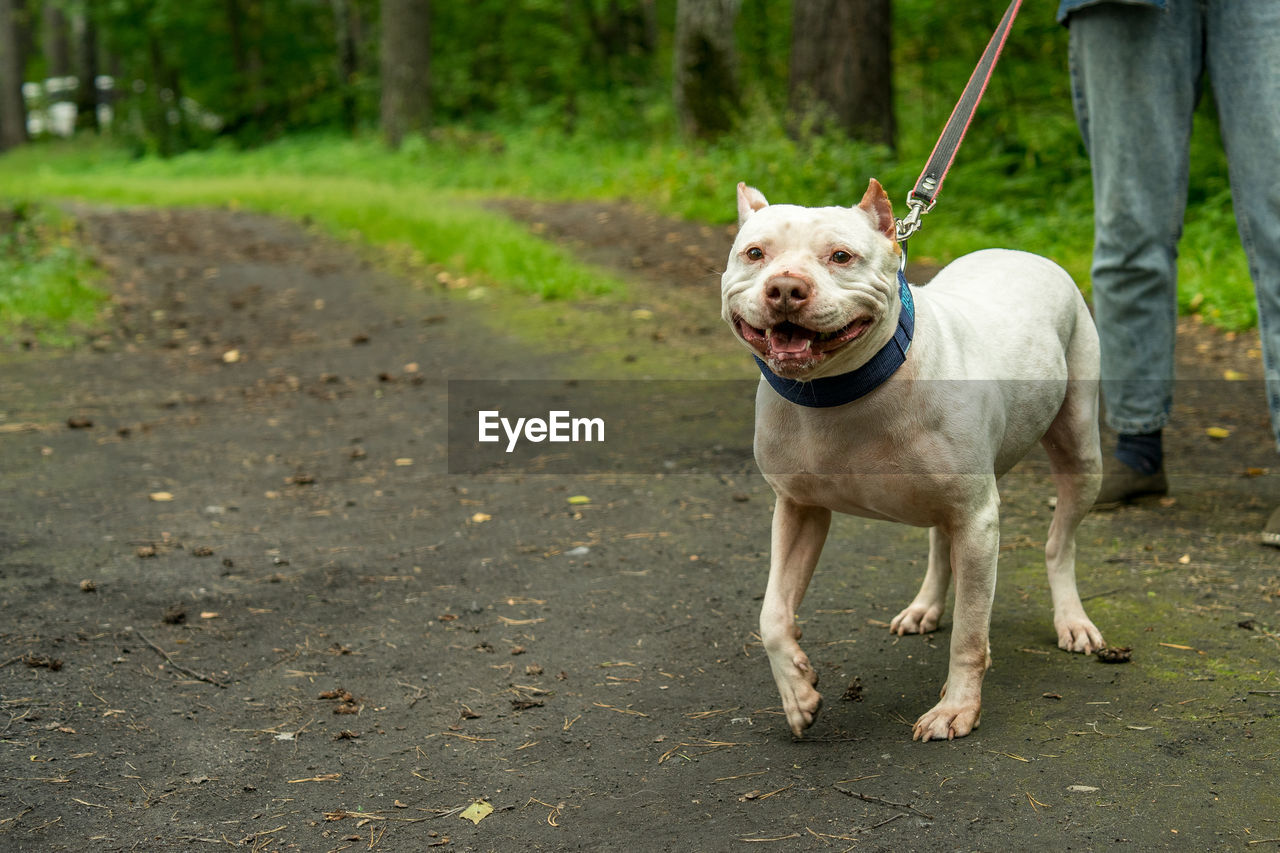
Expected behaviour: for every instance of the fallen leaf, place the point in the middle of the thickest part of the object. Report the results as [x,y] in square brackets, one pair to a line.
[1115,654]
[161,496]
[209,614]
[477,811]
[480,518]
[1184,559]
[1082,789]
[404,462]
[1233,375]
[1217,432]
[231,356]
[579,499]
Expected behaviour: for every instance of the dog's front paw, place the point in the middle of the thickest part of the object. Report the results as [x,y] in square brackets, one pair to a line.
[797,681]
[947,721]
[917,619]
[1078,635]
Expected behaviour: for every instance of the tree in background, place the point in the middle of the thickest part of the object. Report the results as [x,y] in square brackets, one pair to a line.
[346,28]
[842,66]
[406,69]
[13,112]
[55,39]
[707,91]
[85,26]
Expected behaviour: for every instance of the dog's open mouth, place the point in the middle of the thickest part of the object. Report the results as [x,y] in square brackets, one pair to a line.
[793,345]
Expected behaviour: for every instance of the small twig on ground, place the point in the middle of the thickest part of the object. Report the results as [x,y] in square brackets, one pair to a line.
[16,817]
[179,667]
[420,691]
[870,799]
[197,838]
[883,822]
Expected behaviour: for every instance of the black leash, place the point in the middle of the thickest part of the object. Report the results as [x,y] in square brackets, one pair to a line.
[925,193]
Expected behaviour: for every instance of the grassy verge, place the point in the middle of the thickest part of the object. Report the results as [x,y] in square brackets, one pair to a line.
[432,229]
[46,282]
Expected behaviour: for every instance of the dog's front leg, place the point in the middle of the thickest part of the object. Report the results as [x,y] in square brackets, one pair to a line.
[975,545]
[798,534]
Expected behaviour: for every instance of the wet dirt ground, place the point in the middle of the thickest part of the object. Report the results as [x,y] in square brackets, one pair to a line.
[243,603]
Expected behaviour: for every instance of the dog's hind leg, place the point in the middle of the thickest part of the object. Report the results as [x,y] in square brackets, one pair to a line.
[925,611]
[1076,463]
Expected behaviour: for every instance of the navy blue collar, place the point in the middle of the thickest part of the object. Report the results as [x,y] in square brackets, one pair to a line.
[828,391]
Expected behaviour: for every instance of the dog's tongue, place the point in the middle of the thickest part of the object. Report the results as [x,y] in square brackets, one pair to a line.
[789,338]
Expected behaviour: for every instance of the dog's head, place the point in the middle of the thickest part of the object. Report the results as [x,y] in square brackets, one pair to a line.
[812,291]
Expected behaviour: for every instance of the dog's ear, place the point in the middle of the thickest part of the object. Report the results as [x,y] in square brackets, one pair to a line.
[877,205]
[750,200]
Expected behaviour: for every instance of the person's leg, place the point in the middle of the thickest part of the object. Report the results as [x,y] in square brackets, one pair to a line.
[1243,58]
[1135,79]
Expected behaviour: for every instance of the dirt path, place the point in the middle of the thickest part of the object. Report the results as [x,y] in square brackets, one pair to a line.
[244,606]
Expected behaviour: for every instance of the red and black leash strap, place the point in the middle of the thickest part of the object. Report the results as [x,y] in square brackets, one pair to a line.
[925,193]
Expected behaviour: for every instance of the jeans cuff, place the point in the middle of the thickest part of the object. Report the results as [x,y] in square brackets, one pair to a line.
[1134,426]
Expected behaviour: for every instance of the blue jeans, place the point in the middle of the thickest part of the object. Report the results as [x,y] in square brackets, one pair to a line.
[1137,73]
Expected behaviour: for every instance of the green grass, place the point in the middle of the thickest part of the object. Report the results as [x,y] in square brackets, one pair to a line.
[46,281]
[416,226]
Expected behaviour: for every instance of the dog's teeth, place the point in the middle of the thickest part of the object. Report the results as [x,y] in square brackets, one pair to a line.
[808,342]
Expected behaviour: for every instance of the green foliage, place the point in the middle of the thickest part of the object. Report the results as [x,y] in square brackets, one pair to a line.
[45,289]
[571,99]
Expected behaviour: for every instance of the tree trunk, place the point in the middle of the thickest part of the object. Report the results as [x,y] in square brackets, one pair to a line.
[841,65]
[344,32]
[13,110]
[707,96]
[406,69]
[239,58]
[87,90]
[56,41]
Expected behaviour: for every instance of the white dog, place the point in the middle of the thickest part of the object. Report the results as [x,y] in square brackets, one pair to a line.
[899,403]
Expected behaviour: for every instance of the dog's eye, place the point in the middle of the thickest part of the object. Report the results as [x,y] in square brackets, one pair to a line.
[841,257]
[755,253]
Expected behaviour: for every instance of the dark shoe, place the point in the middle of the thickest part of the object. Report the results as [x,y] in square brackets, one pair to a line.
[1271,533]
[1122,484]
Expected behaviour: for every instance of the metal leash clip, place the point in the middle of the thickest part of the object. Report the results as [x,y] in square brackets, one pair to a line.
[910,224]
